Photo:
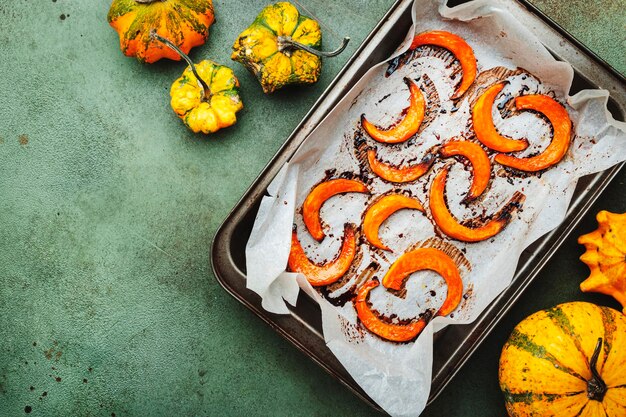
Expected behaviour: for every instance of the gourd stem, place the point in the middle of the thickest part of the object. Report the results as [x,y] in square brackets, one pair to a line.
[596,388]
[205,86]
[287,43]
[146,1]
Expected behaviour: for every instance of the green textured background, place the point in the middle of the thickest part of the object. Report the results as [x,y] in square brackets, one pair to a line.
[108,305]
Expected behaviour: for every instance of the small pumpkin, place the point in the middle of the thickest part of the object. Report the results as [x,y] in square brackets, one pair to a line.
[281,47]
[186,23]
[204,106]
[566,361]
[606,256]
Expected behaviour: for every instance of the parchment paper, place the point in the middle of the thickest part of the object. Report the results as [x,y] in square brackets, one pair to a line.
[397,376]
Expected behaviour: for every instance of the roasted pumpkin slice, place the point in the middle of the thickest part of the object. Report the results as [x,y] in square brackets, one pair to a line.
[324,274]
[380,211]
[484,128]
[318,196]
[451,227]
[481,166]
[428,259]
[459,48]
[405,128]
[389,331]
[561,128]
[400,174]
[413,261]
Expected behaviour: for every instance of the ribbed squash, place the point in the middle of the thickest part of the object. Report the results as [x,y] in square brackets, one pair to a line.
[606,256]
[281,47]
[566,361]
[184,22]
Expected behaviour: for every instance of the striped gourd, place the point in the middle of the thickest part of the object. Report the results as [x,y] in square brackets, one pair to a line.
[566,361]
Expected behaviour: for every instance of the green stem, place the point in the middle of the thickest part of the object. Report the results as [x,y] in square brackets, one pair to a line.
[205,86]
[286,43]
[596,388]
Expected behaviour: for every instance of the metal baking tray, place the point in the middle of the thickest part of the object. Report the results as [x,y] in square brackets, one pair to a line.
[455,344]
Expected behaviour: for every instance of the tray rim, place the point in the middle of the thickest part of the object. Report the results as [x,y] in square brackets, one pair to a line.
[252,192]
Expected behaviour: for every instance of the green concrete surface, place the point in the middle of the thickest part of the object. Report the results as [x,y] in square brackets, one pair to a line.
[108,305]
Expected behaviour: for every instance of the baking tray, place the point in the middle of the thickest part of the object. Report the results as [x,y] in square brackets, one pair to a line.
[455,344]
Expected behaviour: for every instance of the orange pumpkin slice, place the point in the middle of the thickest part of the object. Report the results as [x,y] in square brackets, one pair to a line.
[459,48]
[389,331]
[451,227]
[405,128]
[562,132]
[384,207]
[484,128]
[413,261]
[318,196]
[481,166]
[325,274]
[400,174]
[431,259]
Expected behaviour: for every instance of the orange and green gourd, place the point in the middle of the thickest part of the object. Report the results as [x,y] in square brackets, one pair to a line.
[281,47]
[184,22]
[566,361]
[606,257]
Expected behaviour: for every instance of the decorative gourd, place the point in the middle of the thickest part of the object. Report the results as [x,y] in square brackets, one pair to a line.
[606,256]
[566,361]
[281,47]
[185,23]
[204,107]
[451,227]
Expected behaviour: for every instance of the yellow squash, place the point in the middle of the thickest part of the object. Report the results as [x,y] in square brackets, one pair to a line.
[281,47]
[566,361]
[606,256]
[206,96]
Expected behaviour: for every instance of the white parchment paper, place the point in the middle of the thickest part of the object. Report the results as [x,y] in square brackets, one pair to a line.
[397,376]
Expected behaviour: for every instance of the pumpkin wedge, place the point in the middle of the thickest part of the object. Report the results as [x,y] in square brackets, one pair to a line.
[481,166]
[410,262]
[606,257]
[389,331]
[451,227]
[324,274]
[185,23]
[427,259]
[381,210]
[459,48]
[561,136]
[318,196]
[405,128]
[400,174]
[484,128]
[566,361]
